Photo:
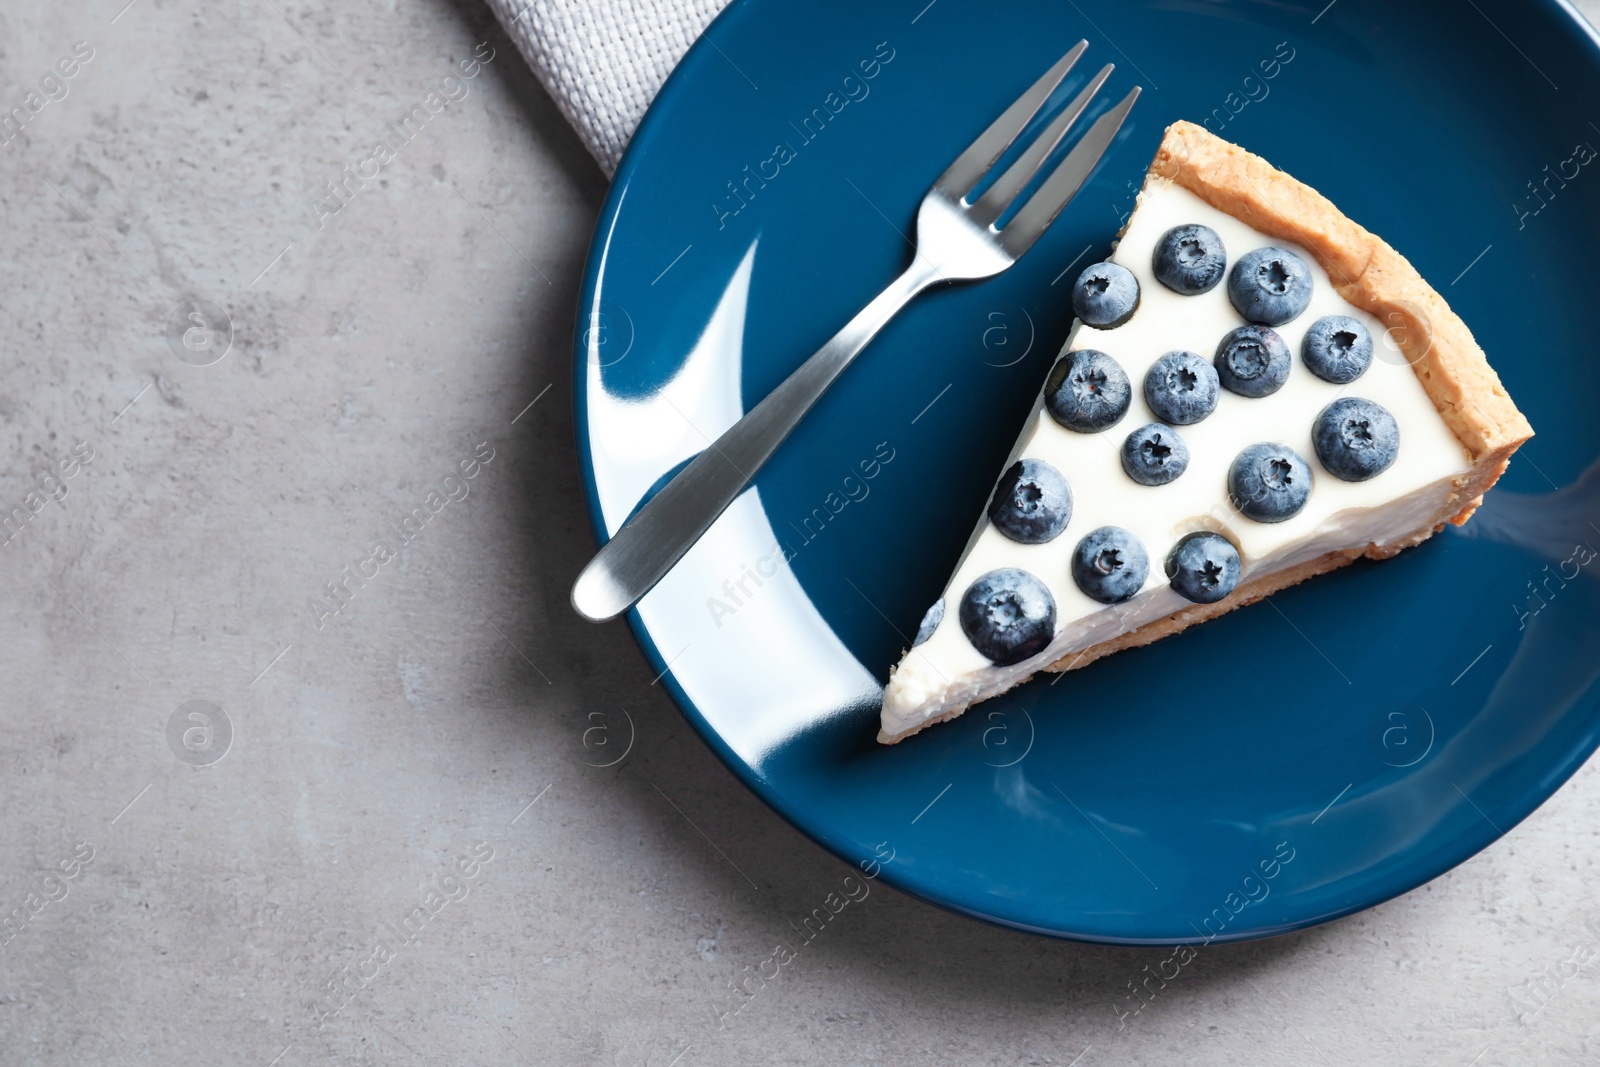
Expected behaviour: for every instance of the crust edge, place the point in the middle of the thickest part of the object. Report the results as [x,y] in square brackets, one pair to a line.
[1367,272]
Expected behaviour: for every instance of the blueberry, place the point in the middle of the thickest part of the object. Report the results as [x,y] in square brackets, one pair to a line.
[1087,391]
[1008,615]
[1189,260]
[1109,565]
[1269,482]
[1106,295]
[1356,439]
[1203,567]
[1253,361]
[1032,503]
[1181,388]
[930,622]
[1270,286]
[1154,454]
[1337,349]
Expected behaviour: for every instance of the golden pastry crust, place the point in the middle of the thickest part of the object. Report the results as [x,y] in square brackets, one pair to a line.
[1370,274]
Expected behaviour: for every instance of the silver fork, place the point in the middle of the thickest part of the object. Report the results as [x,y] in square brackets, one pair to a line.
[957,240]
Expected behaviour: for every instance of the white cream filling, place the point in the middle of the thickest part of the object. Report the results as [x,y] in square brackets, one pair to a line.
[946,673]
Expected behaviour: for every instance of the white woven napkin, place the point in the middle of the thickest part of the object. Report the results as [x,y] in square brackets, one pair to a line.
[603,61]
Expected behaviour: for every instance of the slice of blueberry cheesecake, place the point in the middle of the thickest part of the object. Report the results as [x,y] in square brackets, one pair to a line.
[1257,390]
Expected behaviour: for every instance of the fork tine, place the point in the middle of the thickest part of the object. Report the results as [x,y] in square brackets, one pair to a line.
[1002,192]
[957,180]
[1063,184]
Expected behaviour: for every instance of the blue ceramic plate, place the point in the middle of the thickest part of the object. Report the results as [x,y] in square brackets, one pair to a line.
[1292,762]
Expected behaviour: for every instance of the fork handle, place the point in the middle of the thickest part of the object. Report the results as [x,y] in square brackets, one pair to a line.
[659,534]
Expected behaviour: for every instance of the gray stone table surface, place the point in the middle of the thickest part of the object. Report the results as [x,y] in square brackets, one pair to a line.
[423,745]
